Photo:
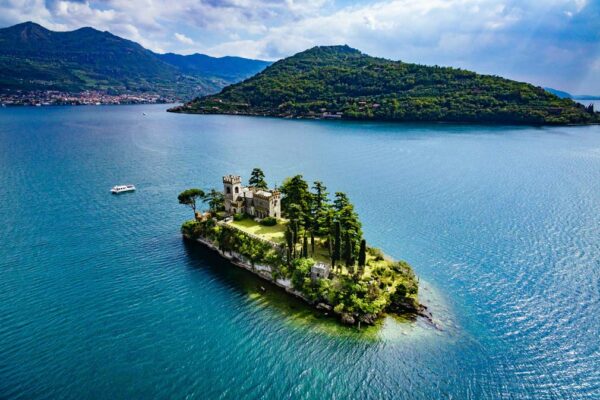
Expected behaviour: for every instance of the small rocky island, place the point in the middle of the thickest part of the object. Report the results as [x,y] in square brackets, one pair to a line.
[297,238]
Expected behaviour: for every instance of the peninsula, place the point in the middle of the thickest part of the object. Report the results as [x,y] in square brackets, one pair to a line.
[339,82]
[300,240]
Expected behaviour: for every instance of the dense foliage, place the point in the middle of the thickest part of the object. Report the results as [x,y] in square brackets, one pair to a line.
[35,58]
[341,82]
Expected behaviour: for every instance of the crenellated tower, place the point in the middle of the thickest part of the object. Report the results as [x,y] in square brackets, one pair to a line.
[232,188]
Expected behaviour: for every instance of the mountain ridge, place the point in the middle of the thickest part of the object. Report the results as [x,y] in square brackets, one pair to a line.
[33,57]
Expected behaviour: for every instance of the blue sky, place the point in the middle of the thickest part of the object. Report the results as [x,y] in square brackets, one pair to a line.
[547,42]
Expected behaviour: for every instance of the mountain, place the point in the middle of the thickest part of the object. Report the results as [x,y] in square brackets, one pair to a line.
[227,68]
[341,82]
[565,95]
[559,93]
[33,58]
[586,97]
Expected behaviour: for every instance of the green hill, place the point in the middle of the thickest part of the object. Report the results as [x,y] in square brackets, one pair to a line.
[35,58]
[230,69]
[341,82]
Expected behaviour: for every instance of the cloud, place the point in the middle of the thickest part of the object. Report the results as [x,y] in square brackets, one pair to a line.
[183,39]
[554,42]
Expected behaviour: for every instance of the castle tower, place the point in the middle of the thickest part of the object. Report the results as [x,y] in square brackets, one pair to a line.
[276,204]
[232,189]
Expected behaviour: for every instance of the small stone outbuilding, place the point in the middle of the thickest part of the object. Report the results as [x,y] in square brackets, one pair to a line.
[319,271]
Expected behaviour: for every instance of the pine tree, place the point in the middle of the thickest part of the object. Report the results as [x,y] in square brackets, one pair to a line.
[257,179]
[305,247]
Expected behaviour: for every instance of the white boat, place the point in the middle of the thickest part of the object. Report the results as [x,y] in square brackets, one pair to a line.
[122,188]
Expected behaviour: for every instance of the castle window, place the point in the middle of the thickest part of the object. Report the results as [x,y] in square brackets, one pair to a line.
[237,189]
[228,190]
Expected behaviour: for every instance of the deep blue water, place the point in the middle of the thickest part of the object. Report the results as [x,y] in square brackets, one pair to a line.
[100,298]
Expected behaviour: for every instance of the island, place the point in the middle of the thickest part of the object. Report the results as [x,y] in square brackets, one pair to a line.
[339,82]
[302,241]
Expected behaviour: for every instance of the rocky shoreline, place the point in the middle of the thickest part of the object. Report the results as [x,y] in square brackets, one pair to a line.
[406,309]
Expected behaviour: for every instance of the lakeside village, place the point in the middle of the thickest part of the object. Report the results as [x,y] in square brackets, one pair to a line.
[89,97]
[297,238]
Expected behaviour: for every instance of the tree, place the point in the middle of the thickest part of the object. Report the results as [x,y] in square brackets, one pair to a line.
[295,191]
[337,245]
[257,179]
[190,197]
[341,201]
[362,255]
[289,240]
[295,214]
[226,240]
[326,223]
[319,195]
[319,224]
[215,199]
[305,247]
[253,250]
[348,250]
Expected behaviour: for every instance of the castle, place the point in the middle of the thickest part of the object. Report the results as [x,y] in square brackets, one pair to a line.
[258,203]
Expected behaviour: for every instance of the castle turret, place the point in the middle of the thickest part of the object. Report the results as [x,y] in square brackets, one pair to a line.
[232,189]
[276,204]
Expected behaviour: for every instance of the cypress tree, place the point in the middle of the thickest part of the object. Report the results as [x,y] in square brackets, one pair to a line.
[305,247]
[362,255]
[348,245]
[289,238]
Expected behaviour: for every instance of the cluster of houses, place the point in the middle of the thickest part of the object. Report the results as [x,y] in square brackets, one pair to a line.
[88,97]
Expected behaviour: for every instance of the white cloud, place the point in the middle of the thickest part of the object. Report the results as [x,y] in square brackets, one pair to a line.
[183,39]
[525,39]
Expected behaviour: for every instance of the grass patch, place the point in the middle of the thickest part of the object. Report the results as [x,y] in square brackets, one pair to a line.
[275,233]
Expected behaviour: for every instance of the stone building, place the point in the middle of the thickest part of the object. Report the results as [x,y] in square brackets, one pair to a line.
[319,271]
[258,203]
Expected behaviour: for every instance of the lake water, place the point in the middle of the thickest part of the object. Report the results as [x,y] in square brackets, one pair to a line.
[100,297]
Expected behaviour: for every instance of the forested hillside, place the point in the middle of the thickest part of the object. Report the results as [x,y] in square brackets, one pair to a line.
[341,82]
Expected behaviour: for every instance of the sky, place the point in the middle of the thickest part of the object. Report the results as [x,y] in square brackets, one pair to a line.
[552,43]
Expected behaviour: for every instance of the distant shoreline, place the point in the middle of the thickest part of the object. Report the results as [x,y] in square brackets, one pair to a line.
[182,110]
[39,98]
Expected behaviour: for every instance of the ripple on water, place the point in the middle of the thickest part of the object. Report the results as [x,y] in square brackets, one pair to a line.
[99,297]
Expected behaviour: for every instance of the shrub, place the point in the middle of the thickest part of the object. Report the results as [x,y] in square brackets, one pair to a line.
[239,217]
[191,229]
[268,221]
[376,253]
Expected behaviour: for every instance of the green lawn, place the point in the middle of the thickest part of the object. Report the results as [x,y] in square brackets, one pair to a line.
[277,234]
[273,233]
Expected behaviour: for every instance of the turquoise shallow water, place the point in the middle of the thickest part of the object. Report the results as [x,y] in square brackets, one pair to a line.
[100,298]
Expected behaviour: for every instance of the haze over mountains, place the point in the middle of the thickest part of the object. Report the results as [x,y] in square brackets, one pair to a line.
[35,58]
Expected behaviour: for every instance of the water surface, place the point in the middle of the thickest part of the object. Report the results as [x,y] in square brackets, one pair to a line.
[100,298]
